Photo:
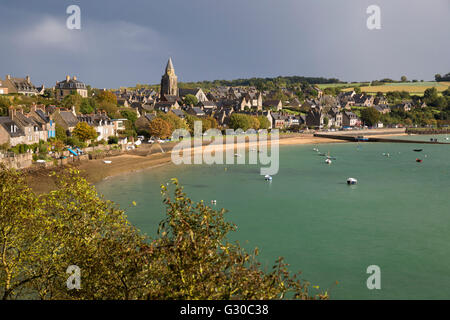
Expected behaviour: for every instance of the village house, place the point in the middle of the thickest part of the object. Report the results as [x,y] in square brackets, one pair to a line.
[3,88]
[363,100]
[102,124]
[69,86]
[406,106]
[66,119]
[350,119]
[382,108]
[198,93]
[196,111]
[278,120]
[10,133]
[207,105]
[315,118]
[19,85]
[37,113]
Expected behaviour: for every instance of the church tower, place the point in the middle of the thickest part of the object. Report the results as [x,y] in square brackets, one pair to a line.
[169,81]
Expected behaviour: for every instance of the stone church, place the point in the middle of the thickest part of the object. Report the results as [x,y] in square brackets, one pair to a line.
[169,81]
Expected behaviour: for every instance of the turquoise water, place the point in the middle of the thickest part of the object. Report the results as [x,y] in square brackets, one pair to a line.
[397,217]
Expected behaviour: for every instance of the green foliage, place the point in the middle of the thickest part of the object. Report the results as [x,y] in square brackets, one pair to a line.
[209,123]
[75,142]
[190,100]
[130,115]
[4,105]
[60,133]
[370,116]
[264,123]
[113,140]
[86,107]
[72,100]
[241,121]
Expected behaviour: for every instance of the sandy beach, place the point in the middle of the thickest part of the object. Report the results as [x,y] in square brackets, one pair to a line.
[145,158]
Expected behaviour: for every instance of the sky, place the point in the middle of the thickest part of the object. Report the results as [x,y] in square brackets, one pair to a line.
[122,43]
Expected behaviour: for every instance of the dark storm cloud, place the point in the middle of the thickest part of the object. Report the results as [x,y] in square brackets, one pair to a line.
[128,42]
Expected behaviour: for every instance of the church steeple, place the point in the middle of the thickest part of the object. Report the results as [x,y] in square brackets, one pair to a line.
[169,68]
[169,81]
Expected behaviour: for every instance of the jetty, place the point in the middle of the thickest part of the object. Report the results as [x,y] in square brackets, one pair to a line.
[373,135]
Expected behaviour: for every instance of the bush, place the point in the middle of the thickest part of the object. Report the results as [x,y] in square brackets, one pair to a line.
[113,140]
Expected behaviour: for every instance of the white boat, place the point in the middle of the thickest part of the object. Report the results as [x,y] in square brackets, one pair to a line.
[267,177]
[327,161]
[351,181]
[107,161]
[237,155]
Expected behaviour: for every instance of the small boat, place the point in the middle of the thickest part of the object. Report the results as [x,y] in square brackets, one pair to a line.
[418,150]
[237,155]
[352,181]
[361,138]
[315,149]
[267,177]
[419,160]
[327,161]
[107,161]
[213,201]
[386,154]
[322,154]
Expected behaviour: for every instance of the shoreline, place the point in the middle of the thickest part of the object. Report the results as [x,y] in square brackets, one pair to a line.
[140,159]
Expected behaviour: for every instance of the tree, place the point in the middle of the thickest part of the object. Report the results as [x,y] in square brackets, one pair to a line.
[403,79]
[209,123]
[438,77]
[430,96]
[84,132]
[190,100]
[60,133]
[104,96]
[240,121]
[86,107]
[370,116]
[264,123]
[173,120]
[160,128]
[326,121]
[129,115]
[72,100]
[357,90]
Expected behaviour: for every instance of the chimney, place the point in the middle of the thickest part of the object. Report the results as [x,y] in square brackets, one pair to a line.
[74,78]
[67,78]
[8,76]
[12,112]
[27,78]
[73,111]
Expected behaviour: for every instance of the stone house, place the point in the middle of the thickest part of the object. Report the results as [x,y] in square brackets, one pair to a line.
[20,85]
[68,86]
[350,119]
